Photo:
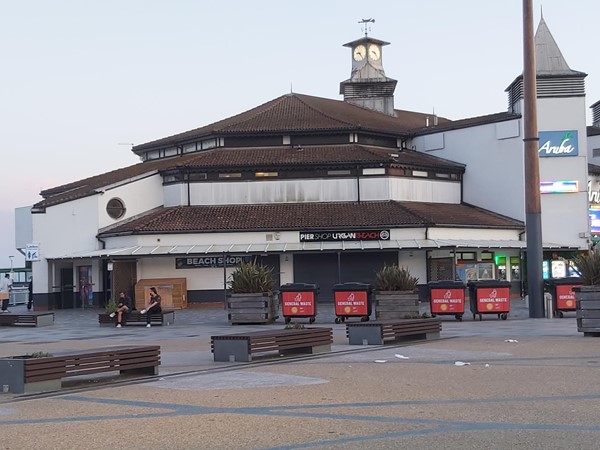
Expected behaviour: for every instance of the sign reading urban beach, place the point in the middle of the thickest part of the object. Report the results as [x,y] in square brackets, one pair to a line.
[196,262]
[558,143]
[350,235]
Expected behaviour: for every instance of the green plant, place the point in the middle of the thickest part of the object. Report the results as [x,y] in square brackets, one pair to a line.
[39,355]
[587,265]
[251,278]
[395,278]
[110,307]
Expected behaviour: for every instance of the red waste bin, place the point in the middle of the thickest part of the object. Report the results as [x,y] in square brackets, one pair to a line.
[447,297]
[563,297]
[490,297]
[299,300]
[352,300]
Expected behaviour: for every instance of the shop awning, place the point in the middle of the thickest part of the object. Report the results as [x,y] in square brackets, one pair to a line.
[282,247]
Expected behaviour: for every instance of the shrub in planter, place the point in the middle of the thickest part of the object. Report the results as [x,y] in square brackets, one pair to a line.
[396,295]
[111,306]
[395,278]
[251,278]
[251,299]
[588,267]
[587,297]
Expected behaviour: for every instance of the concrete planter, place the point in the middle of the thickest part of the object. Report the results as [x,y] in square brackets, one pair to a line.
[587,303]
[252,308]
[16,372]
[396,304]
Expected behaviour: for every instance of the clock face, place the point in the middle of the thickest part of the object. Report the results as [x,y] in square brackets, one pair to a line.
[374,52]
[360,52]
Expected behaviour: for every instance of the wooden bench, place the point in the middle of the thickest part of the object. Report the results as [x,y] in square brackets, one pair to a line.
[166,317]
[44,374]
[31,319]
[380,331]
[241,347]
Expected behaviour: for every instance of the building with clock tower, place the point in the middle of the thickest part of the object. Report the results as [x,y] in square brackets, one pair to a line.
[323,191]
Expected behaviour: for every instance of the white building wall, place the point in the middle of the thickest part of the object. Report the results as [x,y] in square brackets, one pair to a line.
[61,230]
[315,190]
[565,217]
[411,189]
[138,197]
[493,154]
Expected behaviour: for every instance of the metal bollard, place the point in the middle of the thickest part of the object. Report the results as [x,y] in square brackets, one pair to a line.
[548,305]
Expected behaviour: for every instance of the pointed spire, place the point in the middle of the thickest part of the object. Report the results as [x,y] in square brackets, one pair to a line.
[548,57]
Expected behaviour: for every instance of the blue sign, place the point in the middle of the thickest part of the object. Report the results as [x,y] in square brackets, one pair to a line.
[558,143]
[595,221]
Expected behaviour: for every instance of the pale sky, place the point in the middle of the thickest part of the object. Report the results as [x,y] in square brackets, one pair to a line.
[80,77]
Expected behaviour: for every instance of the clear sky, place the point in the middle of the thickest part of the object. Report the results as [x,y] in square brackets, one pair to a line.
[81,77]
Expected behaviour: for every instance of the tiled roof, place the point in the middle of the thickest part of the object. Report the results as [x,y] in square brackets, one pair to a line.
[299,113]
[302,216]
[249,157]
[89,186]
[290,157]
[466,123]
[549,60]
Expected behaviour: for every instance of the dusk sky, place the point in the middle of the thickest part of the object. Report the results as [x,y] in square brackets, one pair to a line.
[81,80]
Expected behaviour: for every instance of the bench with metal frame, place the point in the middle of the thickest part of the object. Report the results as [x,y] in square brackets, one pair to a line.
[165,317]
[242,346]
[28,374]
[381,331]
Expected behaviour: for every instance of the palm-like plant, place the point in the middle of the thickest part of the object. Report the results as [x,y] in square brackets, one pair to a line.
[587,265]
[251,278]
[395,278]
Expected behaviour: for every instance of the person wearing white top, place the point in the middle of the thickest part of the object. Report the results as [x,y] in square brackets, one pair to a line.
[5,288]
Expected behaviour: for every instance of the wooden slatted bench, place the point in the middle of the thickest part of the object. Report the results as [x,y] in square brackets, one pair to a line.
[380,331]
[31,319]
[44,374]
[241,346]
[166,317]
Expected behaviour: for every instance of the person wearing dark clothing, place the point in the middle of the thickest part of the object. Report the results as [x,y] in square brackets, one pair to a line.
[30,296]
[152,307]
[123,307]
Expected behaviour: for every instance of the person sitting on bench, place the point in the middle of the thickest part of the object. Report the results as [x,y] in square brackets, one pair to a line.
[153,306]
[123,307]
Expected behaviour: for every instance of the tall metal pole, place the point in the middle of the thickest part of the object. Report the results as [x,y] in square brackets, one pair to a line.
[533,208]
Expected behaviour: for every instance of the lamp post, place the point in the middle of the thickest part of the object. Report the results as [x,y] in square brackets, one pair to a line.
[11,263]
[533,220]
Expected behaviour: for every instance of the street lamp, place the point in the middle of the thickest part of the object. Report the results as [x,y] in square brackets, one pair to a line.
[11,263]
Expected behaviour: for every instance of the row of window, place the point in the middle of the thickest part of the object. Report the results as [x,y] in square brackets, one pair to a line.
[203,176]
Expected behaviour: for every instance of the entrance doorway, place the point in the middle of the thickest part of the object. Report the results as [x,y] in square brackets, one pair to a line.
[66,300]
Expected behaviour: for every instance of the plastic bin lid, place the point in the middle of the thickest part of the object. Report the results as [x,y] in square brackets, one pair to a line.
[489,283]
[562,281]
[445,284]
[299,286]
[352,286]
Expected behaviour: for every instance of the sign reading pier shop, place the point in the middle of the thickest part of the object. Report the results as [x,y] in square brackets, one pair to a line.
[350,235]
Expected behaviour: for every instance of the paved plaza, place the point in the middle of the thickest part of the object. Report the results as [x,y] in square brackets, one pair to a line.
[515,384]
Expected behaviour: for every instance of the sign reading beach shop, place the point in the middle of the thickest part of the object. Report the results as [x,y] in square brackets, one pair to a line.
[350,235]
[558,143]
[202,262]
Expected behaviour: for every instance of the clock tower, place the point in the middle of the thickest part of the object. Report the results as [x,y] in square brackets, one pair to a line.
[368,87]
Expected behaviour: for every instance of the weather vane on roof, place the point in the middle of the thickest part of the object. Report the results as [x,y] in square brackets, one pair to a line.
[366,28]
